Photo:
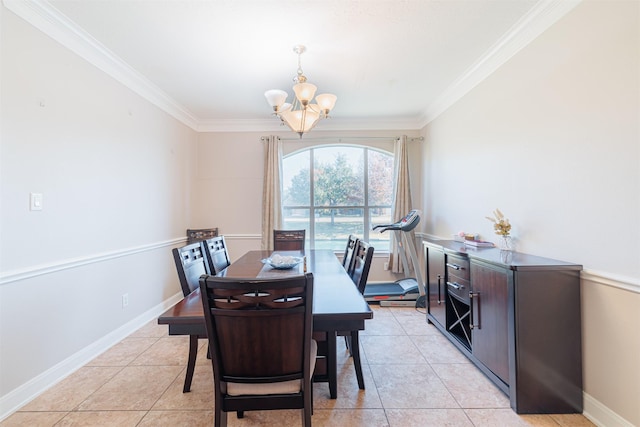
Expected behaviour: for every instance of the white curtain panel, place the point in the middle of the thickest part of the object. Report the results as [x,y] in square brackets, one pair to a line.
[271,190]
[401,200]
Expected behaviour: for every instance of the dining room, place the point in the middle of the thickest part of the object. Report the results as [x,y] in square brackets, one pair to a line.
[102,174]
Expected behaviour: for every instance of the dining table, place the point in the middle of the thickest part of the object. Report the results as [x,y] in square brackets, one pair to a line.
[338,306]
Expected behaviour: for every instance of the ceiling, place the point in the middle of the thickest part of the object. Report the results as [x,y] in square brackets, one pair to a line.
[388,61]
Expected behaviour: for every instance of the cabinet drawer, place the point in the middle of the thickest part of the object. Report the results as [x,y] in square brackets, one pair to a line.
[458,267]
[459,287]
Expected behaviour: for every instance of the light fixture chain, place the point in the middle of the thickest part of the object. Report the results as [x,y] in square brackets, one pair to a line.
[300,78]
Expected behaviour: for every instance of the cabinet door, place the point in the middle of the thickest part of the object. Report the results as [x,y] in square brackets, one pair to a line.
[490,305]
[435,283]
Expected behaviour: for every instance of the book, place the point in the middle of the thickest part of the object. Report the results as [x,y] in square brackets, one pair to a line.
[479,243]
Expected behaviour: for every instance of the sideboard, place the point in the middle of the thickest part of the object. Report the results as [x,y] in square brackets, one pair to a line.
[515,316]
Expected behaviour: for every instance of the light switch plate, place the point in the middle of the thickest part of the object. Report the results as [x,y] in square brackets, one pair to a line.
[36,201]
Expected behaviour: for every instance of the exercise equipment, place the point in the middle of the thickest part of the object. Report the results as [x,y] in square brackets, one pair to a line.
[410,290]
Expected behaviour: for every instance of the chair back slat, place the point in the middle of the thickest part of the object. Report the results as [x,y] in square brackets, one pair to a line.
[361,264]
[288,240]
[190,264]
[198,235]
[217,254]
[264,355]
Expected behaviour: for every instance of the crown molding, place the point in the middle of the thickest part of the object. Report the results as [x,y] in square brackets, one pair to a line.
[50,21]
[379,123]
[332,123]
[542,16]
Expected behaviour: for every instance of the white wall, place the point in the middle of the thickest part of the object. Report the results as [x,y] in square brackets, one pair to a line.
[552,139]
[116,174]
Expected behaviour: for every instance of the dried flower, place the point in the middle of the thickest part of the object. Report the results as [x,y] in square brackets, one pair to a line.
[500,223]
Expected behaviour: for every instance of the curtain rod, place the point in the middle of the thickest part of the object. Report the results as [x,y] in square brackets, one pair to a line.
[339,138]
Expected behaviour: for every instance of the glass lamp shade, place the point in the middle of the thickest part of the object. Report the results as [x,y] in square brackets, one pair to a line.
[304,92]
[300,121]
[286,106]
[275,97]
[326,102]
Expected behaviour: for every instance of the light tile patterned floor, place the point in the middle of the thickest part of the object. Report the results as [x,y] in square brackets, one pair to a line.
[413,375]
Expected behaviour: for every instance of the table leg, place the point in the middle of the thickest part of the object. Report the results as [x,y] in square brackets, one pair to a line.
[332,368]
[191,362]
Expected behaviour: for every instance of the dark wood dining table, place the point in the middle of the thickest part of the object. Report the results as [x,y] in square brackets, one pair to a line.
[338,306]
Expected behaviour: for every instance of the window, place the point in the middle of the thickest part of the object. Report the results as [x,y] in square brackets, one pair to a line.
[351,192]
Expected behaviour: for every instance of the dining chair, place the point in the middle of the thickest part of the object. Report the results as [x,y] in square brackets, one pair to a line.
[347,262]
[260,339]
[347,259]
[360,266]
[190,263]
[217,254]
[199,234]
[288,240]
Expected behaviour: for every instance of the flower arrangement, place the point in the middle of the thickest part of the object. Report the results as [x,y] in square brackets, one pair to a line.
[500,223]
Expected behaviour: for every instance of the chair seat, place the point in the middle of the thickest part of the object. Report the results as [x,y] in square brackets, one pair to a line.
[284,387]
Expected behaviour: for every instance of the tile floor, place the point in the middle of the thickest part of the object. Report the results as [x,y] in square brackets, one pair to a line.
[413,375]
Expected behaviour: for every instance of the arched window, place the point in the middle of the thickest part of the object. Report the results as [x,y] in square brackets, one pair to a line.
[351,192]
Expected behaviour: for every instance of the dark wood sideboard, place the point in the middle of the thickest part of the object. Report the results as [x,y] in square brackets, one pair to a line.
[515,316]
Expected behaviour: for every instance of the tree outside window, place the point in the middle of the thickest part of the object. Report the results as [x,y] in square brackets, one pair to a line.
[351,192]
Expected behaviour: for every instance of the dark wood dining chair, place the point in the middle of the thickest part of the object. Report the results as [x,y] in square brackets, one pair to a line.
[360,266]
[190,263]
[288,240]
[347,259]
[217,254]
[260,341]
[195,235]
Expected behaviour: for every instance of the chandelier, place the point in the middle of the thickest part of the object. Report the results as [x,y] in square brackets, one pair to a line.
[302,115]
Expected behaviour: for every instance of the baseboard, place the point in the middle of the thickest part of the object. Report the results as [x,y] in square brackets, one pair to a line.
[22,395]
[601,415]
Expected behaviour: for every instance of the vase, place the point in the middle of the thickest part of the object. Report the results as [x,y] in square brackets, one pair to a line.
[506,256]
[505,243]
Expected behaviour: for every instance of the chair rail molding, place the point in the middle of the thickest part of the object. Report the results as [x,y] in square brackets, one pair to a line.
[613,280]
[243,236]
[39,270]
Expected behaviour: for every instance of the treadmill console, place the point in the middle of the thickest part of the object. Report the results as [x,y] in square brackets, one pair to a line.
[408,223]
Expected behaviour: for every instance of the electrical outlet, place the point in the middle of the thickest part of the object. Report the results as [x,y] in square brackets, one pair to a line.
[125,300]
[386,266]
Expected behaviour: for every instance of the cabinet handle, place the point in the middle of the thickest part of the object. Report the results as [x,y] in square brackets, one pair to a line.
[439,294]
[454,266]
[455,285]
[472,307]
